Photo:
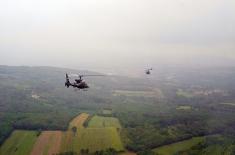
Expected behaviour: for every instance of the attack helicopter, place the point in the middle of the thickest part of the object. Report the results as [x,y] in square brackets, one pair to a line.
[79,82]
[148,71]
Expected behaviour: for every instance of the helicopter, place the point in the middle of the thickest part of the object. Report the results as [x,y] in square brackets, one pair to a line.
[148,71]
[78,83]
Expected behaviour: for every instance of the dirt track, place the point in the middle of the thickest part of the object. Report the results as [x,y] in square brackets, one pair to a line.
[79,120]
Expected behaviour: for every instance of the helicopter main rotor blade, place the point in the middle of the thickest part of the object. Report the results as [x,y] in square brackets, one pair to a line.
[73,75]
[93,75]
[76,75]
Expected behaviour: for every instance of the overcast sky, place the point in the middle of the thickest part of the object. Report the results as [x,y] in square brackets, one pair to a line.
[117,33]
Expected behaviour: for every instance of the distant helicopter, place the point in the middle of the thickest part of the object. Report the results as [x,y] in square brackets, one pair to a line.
[78,83]
[148,71]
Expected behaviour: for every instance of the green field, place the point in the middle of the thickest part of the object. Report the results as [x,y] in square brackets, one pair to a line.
[19,143]
[218,150]
[185,94]
[106,111]
[180,146]
[230,104]
[100,134]
[96,139]
[213,145]
[136,93]
[214,150]
[100,122]
[185,107]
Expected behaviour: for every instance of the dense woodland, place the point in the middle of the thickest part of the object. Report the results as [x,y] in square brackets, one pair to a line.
[185,103]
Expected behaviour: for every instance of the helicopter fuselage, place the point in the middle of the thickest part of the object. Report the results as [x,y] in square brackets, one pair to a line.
[81,85]
[78,83]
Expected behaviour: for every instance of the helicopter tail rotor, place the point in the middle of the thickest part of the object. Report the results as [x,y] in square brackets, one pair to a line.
[67,83]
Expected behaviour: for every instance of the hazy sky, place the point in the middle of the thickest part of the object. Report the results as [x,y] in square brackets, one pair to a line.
[114,33]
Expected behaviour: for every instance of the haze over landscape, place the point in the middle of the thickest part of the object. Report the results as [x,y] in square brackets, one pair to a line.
[93,34]
[117,77]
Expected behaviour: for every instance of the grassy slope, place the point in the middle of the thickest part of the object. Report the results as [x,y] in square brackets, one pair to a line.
[100,122]
[180,146]
[214,150]
[19,143]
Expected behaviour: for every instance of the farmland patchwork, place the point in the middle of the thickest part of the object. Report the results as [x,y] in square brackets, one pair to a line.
[102,133]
